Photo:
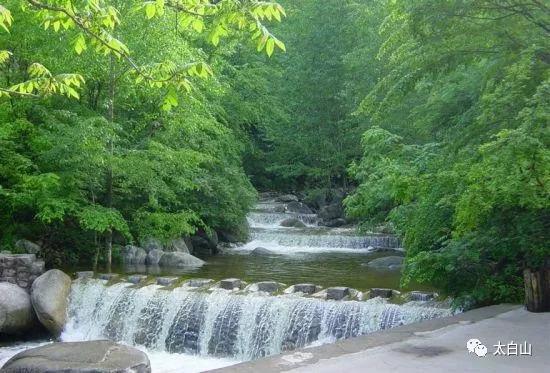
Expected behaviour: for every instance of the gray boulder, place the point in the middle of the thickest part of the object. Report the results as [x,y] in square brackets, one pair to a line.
[178,260]
[231,283]
[380,292]
[287,198]
[260,251]
[337,293]
[133,255]
[28,246]
[298,208]
[16,313]
[388,262]
[79,357]
[178,245]
[292,222]
[153,257]
[204,243]
[50,298]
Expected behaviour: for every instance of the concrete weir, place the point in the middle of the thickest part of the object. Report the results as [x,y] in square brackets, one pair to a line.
[437,345]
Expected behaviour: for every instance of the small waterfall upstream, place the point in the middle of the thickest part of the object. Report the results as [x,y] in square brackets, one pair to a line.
[266,231]
[224,323]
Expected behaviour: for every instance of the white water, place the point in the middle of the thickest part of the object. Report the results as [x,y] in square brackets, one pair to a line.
[197,325]
[267,232]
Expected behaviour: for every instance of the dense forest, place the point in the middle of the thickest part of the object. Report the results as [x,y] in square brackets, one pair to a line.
[123,120]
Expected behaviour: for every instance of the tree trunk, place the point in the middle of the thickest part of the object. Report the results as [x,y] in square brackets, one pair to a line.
[537,289]
[109,186]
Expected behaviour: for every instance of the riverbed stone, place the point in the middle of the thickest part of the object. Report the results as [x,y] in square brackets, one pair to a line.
[388,262]
[84,274]
[50,299]
[421,296]
[230,283]
[338,293]
[152,243]
[136,279]
[285,198]
[38,267]
[79,357]
[179,260]
[16,312]
[265,286]
[107,276]
[335,223]
[380,292]
[178,245]
[292,222]
[261,251]
[198,282]
[153,257]
[305,288]
[298,208]
[166,281]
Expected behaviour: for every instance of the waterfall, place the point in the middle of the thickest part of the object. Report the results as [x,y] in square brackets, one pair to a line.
[222,323]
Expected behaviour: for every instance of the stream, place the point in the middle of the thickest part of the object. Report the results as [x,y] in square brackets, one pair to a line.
[196,329]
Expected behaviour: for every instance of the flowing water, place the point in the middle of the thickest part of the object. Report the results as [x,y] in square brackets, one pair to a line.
[185,329]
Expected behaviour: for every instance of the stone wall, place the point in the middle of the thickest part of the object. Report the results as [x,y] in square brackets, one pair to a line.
[20,269]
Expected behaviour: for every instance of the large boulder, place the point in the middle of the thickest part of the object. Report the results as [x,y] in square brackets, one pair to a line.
[79,357]
[261,251]
[133,255]
[335,223]
[387,262]
[287,198]
[178,260]
[16,313]
[292,222]
[153,257]
[204,243]
[28,246]
[178,245]
[50,298]
[298,208]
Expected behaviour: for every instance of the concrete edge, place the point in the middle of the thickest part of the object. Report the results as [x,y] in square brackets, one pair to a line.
[306,356]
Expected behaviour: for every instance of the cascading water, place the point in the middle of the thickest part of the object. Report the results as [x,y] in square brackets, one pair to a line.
[266,231]
[222,323]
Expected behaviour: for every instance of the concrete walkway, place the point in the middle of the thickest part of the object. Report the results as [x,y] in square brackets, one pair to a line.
[431,346]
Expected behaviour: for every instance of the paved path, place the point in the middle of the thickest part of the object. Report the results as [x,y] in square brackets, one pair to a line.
[432,346]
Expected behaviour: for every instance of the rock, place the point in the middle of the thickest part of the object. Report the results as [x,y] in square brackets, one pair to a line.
[133,255]
[380,292]
[16,312]
[79,357]
[107,276]
[389,262]
[25,260]
[50,298]
[305,288]
[335,223]
[260,251]
[331,212]
[205,244]
[153,257]
[152,244]
[28,246]
[85,274]
[226,236]
[198,282]
[265,286]
[38,267]
[166,281]
[298,208]
[421,296]
[337,293]
[287,198]
[230,284]
[178,260]
[136,279]
[292,222]
[178,245]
